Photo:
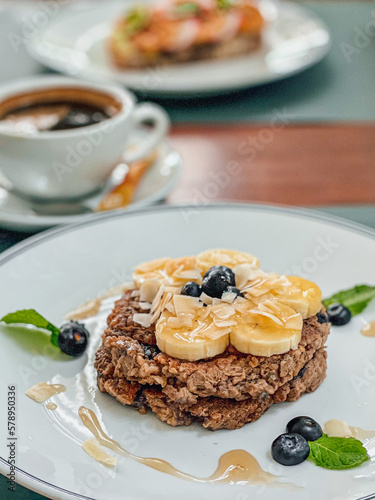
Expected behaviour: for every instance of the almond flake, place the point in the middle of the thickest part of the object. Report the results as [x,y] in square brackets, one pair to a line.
[157,299]
[222,323]
[229,297]
[142,319]
[145,306]
[148,290]
[166,297]
[242,305]
[178,270]
[170,307]
[223,311]
[192,274]
[185,304]
[206,311]
[206,299]
[242,273]
[173,289]
[148,267]
[185,320]
[269,315]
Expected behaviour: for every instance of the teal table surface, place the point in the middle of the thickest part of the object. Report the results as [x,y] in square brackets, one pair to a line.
[19,494]
[340,88]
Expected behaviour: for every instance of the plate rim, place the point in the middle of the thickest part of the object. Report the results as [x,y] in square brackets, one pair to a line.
[28,480]
[170,91]
[306,213]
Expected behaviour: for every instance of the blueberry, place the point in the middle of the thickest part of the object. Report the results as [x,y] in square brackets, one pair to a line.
[224,271]
[338,314]
[322,318]
[306,427]
[192,289]
[73,338]
[214,285]
[233,289]
[290,449]
[300,374]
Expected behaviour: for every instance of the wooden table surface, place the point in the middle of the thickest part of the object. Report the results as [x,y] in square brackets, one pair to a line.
[304,165]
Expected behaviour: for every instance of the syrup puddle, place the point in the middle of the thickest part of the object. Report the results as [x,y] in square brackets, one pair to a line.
[43,391]
[369,329]
[92,307]
[51,406]
[340,428]
[235,467]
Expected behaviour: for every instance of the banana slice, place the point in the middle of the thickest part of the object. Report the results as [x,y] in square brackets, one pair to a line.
[170,271]
[199,339]
[149,271]
[229,258]
[303,296]
[267,330]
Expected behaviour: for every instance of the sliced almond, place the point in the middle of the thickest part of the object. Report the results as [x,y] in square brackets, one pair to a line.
[206,299]
[223,311]
[185,304]
[229,297]
[145,306]
[148,290]
[143,319]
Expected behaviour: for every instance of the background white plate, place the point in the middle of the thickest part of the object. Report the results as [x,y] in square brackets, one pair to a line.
[74,43]
[58,270]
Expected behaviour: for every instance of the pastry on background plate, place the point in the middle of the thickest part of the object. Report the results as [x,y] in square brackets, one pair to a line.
[213,339]
[175,31]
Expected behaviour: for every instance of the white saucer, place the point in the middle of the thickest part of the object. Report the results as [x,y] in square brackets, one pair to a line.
[23,215]
[74,42]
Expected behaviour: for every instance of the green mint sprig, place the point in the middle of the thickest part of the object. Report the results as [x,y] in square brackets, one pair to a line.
[136,19]
[31,317]
[187,8]
[355,299]
[225,4]
[337,453]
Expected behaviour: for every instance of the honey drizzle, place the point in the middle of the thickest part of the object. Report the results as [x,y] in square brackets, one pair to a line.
[340,428]
[235,467]
[369,329]
[43,391]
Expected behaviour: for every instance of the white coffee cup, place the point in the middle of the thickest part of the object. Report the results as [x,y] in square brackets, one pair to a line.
[75,163]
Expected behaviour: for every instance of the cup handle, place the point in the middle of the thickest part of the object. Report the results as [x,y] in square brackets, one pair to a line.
[147,112]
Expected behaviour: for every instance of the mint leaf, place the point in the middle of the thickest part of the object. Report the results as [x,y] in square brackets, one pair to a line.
[136,20]
[186,8]
[31,317]
[355,299]
[337,453]
[225,4]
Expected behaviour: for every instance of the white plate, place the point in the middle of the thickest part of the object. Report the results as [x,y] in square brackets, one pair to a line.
[74,43]
[21,214]
[56,271]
